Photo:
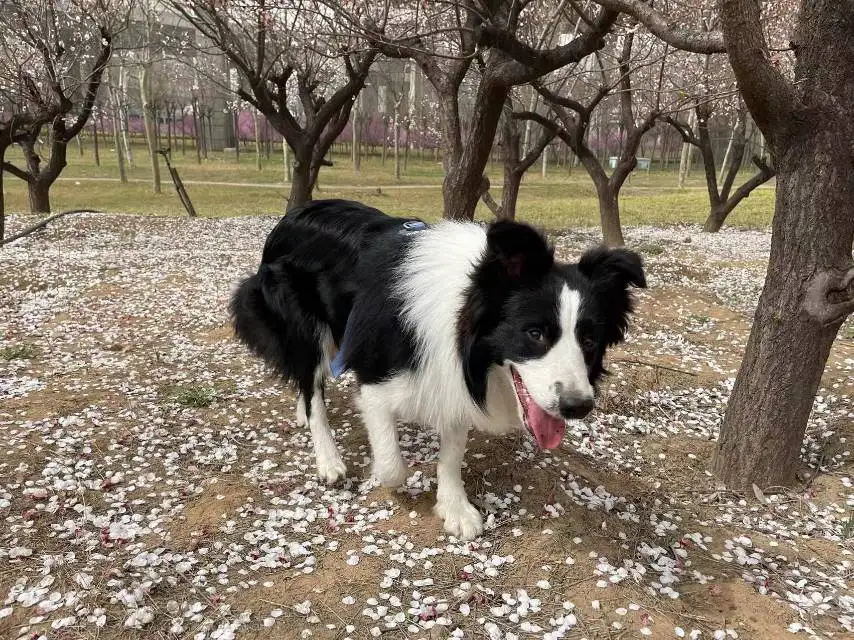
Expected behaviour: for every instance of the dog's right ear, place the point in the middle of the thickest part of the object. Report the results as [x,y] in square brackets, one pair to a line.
[517,251]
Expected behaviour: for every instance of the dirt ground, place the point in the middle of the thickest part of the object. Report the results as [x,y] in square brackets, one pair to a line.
[154,483]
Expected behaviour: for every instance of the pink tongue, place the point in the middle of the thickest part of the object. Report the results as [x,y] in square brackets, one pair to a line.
[547,429]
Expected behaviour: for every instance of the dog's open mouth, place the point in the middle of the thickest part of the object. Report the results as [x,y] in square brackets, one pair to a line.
[547,430]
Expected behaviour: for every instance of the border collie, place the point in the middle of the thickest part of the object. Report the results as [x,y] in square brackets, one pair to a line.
[452,325]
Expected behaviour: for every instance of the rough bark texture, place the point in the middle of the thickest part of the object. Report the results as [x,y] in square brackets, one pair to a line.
[806,296]
[301,183]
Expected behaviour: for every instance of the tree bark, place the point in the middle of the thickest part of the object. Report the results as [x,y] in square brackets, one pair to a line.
[808,291]
[39,196]
[97,151]
[3,148]
[357,141]
[148,123]
[302,184]
[258,150]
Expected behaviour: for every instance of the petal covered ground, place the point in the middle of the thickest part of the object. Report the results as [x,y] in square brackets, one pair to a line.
[153,482]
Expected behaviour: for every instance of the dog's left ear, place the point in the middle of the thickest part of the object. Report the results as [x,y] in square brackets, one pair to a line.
[612,272]
[517,251]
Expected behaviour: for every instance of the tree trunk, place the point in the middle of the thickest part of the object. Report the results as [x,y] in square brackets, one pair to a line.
[357,146]
[510,194]
[256,119]
[609,215]
[2,194]
[117,139]
[39,193]
[385,140]
[148,123]
[286,159]
[396,133]
[302,183]
[685,158]
[808,289]
[97,151]
[717,216]
[196,132]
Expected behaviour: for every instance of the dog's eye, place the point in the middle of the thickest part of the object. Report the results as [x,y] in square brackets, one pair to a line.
[536,335]
[588,344]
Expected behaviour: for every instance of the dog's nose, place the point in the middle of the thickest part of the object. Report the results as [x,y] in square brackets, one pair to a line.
[574,407]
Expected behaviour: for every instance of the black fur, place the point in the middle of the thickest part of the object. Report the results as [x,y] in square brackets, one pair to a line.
[334,263]
[306,281]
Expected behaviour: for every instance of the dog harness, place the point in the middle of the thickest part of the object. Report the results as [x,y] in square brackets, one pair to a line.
[338,366]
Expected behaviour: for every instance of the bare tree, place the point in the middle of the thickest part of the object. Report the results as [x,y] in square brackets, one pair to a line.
[456,35]
[300,68]
[572,119]
[809,285]
[722,199]
[515,164]
[44,44]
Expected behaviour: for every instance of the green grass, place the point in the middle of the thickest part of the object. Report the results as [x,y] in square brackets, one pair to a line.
[196,397]
[559,201]
[22,351]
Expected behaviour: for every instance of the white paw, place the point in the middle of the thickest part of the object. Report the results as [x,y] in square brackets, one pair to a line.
[391,476]
[462,520]
[330,468]
[301,420]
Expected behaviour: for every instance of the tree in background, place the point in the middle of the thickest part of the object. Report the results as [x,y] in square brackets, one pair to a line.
[610,74]
[722,199]
[286,51]
[708,84]
[494,46]
[47,49]
[515,164]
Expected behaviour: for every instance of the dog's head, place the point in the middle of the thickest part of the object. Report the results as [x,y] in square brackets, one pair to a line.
[544,324]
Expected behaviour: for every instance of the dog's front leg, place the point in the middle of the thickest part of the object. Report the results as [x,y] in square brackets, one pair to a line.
[390,468]
[452,504]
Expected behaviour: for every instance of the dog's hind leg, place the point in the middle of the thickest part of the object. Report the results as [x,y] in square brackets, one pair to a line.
[452,504]
[302,418]
[389,466]
[330,466]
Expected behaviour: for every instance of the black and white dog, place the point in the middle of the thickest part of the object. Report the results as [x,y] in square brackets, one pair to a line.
[451,326]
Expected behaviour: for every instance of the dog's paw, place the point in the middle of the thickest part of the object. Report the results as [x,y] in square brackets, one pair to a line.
[300,419]
[331,468]
[393,475]
[462,520]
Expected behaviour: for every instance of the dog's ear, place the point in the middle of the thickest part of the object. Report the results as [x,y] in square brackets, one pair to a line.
[517,251]
[612,272]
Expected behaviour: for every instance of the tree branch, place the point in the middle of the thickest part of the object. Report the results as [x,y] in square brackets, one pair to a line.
[44,223]
[686,134]
[657,23]
[768,95]
[16,171]
[528,63]
[817,304]
[546,136]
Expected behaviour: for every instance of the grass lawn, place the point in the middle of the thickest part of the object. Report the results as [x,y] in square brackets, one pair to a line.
[558,201]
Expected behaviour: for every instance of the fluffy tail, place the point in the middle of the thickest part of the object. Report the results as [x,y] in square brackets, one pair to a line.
[283,337]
